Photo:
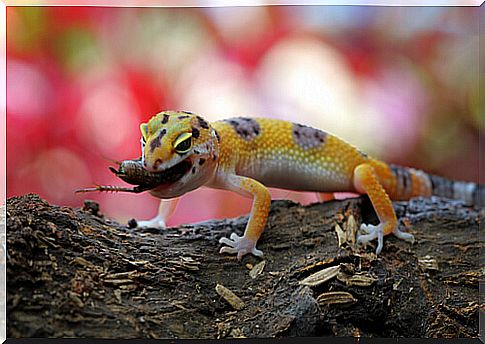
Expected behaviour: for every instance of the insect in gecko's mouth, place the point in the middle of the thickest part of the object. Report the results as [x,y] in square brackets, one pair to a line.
[132,171]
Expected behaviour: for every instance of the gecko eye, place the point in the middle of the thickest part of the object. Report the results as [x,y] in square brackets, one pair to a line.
[183,143]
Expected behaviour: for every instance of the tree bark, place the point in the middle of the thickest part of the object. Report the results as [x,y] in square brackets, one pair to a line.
[75,273]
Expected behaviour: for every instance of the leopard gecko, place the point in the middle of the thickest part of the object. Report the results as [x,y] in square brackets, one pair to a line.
[247,155]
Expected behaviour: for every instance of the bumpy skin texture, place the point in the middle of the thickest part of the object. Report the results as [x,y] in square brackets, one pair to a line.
[246,155]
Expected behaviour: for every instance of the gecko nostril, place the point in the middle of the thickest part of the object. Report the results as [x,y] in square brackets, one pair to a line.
[156,163]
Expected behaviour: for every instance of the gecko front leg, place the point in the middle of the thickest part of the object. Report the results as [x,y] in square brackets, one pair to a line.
[165,210]
[245,244]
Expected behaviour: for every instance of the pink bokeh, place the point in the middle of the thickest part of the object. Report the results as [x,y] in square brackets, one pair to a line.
[80,80]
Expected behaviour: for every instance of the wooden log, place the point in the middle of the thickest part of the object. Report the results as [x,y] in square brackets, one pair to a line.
[75,273]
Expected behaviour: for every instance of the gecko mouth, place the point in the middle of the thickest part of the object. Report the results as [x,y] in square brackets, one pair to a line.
[174,173]
[132,172]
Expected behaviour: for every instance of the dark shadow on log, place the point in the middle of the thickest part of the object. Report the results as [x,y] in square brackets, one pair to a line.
[72,272]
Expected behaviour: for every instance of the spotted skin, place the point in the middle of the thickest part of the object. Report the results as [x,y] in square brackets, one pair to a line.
[307,137]
[246,128]
[247,155]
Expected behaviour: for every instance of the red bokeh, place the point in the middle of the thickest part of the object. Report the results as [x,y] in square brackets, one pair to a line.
[81,79]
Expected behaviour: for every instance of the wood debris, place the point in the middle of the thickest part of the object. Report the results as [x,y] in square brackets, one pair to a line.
[321,276]
[230,297]
[336,297]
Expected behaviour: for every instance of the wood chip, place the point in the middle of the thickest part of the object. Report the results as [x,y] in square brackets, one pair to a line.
[257,269]
[347,233]
[359,279]
[76,298]
[230,297]
[341,236]
[118,281]
[81,261]
[117,293]
[428,263]
[123,275]
[237,333]
[351,228]
[335,297]
[321,276]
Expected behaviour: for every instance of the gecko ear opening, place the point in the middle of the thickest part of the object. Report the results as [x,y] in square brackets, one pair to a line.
[144,130]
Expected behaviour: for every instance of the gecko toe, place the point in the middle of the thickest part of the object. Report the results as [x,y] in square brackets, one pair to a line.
[226,241]
[404,236]
[227,249]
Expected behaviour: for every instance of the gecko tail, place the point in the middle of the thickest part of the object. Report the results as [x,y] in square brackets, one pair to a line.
[470,193]
[410,182]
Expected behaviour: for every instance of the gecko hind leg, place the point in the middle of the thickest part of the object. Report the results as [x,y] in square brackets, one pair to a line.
[366,181]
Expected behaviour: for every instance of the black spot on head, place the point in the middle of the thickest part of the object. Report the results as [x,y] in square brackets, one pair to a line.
[195,133]
[193,170]
[165,118]
[157,142]
[182,117]
[202,122]
[201,161]
[188,112]
[196,151]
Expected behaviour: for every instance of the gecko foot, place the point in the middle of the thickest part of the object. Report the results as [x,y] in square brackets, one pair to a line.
[372,232]
[156,222]
[239,245]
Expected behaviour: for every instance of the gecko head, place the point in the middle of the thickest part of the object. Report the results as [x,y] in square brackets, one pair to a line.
[182,145]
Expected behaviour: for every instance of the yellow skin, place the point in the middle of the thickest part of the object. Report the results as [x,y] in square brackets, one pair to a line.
[246,155]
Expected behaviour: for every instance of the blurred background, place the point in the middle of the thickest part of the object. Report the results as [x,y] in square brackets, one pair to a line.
[399,83]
